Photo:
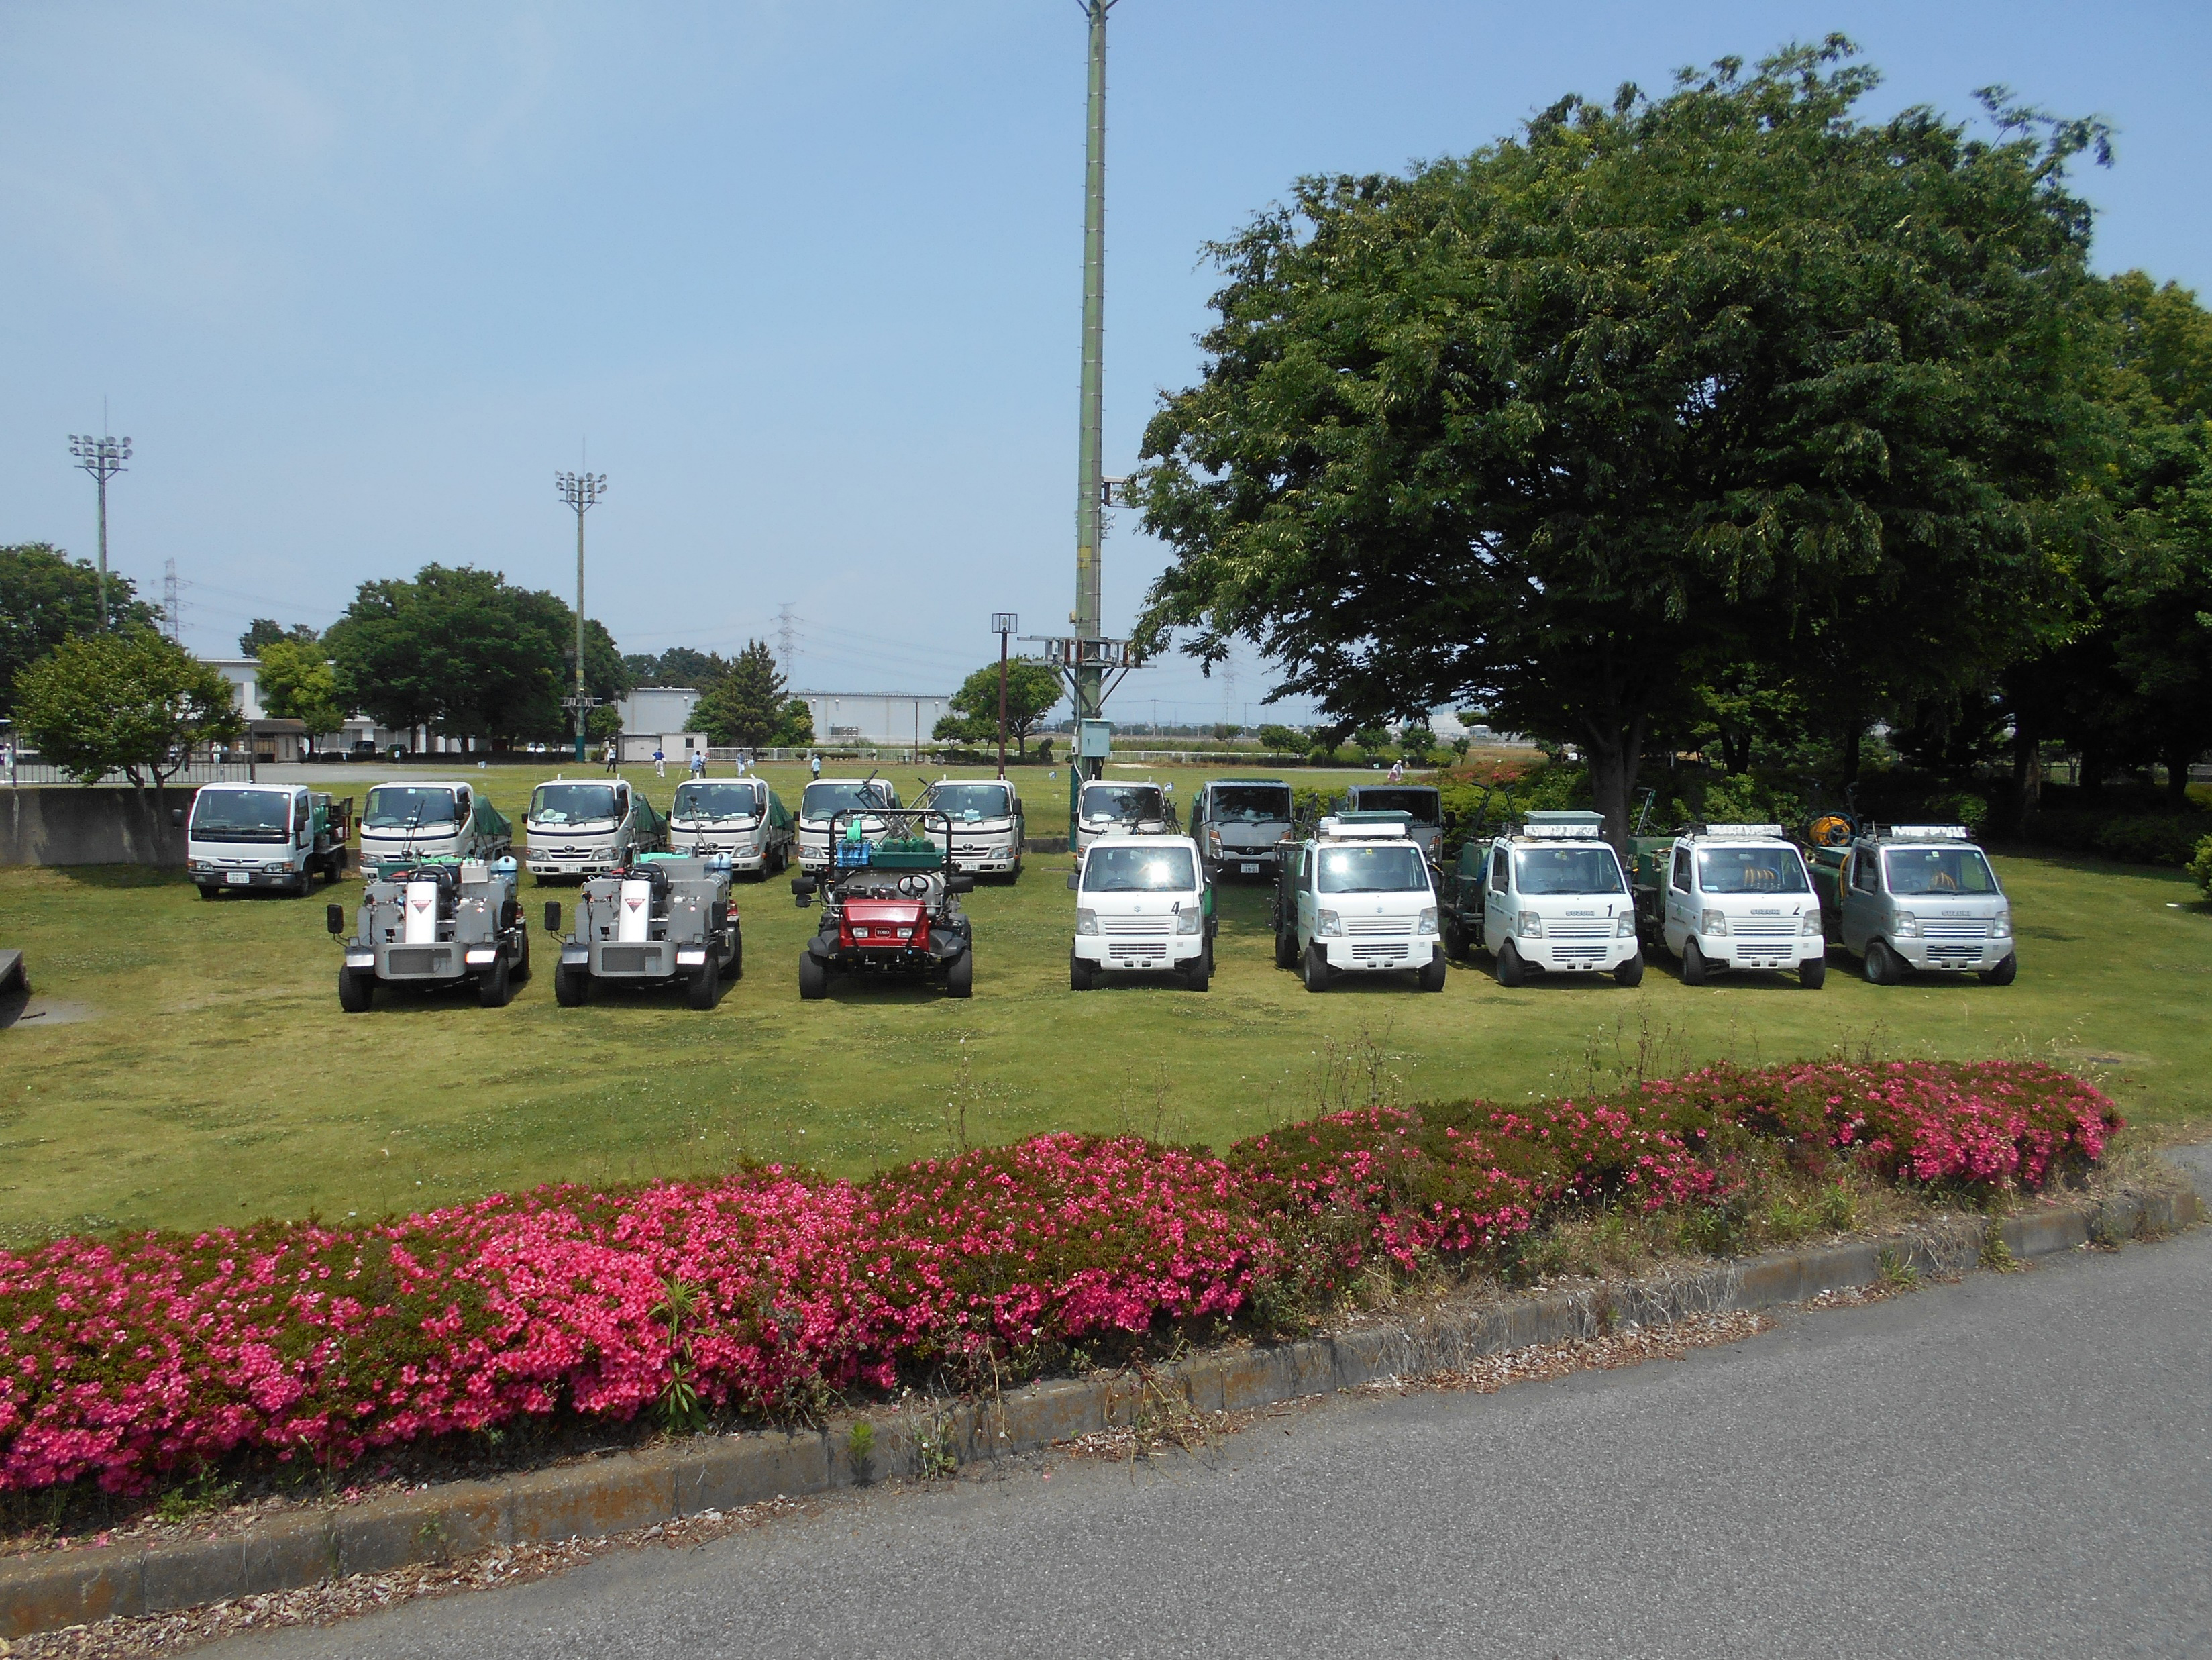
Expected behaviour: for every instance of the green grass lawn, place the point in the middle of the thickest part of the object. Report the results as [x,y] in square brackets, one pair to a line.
[214,1078]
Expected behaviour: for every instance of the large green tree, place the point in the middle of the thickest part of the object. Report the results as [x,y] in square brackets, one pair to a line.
[1032,690]
[299,682]
[45,598]
[267,631]
[747,706]
[679,665]
[133,702]
[1570,426]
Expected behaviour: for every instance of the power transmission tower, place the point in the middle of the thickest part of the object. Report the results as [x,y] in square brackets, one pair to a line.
[580,490]
[173,606]
[103,458]
[786,640]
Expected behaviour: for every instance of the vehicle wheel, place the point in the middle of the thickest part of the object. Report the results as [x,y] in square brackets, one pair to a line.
[1813,973]
[356,991]
[1694,963]
[2005,972]
[1512,970]
[1630,973]
[960,975]
[492,988]
[207,893]
[572,985]
[1017,875]
[1200,974]
[1286,950]
[813,978]
[522,955]
[303,886]
[1081,976]
[1432,977]
[706,983]
[737,970]
[1881,964]
[1455,942]
[1316,968]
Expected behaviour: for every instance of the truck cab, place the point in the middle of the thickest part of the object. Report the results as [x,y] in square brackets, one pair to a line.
[1423,805]
[432,922]
[1738,897]
[443,818]
[243,836]
[739,819]
[585,827]
[1921,897]
[1357,898]
[1143,902]
[988,825]
[1547,895]
[1238,823]
[1108,808]
[824,800]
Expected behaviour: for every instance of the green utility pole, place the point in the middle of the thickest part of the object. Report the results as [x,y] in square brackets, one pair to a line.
[1090,504]
[581,491]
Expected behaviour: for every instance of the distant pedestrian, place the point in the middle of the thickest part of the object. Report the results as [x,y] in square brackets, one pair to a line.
[699,764]
[610,756]
[1397,772]
[743,763]
[660,762]
[814,764]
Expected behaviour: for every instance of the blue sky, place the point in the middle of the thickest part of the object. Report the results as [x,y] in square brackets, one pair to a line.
[358,279]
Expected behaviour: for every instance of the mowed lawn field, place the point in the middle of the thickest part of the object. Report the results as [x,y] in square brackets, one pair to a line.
[204,1073]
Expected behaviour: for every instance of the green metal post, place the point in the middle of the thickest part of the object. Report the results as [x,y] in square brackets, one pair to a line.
[581,711]
[1089,508]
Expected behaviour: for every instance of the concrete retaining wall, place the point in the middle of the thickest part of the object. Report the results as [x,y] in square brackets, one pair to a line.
[104,824]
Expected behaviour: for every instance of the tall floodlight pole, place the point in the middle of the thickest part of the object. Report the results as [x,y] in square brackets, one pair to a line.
[1003,623]
[1089,498]
[580,490]
[103,458]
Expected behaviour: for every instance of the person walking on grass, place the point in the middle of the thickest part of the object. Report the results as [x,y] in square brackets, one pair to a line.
[699,763]
[611,757]
[660,762]
[814,765]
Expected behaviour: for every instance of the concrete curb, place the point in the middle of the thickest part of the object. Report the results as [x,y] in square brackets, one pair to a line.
[623,1490]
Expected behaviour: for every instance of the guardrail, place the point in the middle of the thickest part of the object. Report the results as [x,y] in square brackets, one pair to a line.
[24,774]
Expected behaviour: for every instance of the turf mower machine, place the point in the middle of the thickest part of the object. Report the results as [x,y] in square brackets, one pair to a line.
[430,922]
[655,919]
[890,906]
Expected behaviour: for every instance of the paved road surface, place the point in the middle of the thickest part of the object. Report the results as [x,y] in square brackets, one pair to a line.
[2016,1465]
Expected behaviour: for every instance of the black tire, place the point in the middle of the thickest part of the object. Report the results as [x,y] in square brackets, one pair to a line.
[494,987]
[736,971]
[1315,969]
[522,954]
[1694,963]
[706,985]
[1455,941]
[1512,970]
[356,991]
[1081,976]
[1881,965]
[1200,974]
[1630,973]
[2005,972]
[207,893]
[572,985]
[960,975]
[1432,976]
[1813,973]
[1287,950]
[813,978]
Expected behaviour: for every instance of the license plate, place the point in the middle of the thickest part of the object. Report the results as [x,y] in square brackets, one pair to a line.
[237,878]
[1249,867]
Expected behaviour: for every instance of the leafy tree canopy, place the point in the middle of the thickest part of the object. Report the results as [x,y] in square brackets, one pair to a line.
[133,702]
[679,665]
[1032,690]
[298,683]
[45,598]
[747,706]
[267,631]
[1652,387]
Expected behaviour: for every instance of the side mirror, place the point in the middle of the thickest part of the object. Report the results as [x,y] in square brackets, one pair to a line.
[959,883]
[1071,881]
[334,918]
[802,891]
[176,819]
[552,916]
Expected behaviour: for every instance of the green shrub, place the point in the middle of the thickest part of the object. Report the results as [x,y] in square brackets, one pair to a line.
[2148,838]
[2201,866]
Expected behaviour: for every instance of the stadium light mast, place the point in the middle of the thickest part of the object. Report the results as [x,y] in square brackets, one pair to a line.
[580,490]
[1090,487]
[103,458]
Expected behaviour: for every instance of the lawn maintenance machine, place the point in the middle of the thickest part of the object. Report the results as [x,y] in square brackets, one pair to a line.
[655,920]
[434,922]
[890,902]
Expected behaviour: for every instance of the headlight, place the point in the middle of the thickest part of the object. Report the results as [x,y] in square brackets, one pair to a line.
[1624,927]
[1086,921]
[1327,921]
[1214,841]
[2000,926]
[1189,921]
[1528,925]
[1908,926]
[1716,921]
[1428,922]
[1809,924]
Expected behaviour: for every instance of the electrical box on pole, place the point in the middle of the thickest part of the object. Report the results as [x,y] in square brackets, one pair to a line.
[1094,740]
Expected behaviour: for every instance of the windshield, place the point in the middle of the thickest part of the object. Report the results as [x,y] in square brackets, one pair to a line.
[1398,869]
[1121,803]
[830,796]
[1953,872]
[571,804]
[1263,803]
[716,801]
[984,800]
[241,815]
[408,806]
[1566,869]
[1751,870]
[1420,805]
[1140,870]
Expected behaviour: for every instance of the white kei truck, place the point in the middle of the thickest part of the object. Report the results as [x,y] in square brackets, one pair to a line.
[1357,898]
[582,828]
[824,800]
[988,825]
[1739,896]
[437,818]
[1238,823]
[739,819]
[1108,808]
[1547,895]
[240,837]
[1143,903]
[1922,896]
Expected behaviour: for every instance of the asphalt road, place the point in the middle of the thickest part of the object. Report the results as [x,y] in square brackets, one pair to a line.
[2014,1465]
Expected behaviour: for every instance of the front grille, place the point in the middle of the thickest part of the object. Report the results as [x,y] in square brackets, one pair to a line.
[629,959]
[1766,936]
[419,959]
[1579,930]
[1138,928]
[1149,949]
[1961,955]
[1387,952]
[1973,928]
[1578,953]
[1394,927]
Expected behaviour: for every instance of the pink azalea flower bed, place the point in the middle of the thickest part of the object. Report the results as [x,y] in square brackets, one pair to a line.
[125,1358]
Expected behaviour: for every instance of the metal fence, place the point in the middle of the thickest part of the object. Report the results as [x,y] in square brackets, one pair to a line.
[23,772]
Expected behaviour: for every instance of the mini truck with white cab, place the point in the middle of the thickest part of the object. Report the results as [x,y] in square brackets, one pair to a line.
[1357,899]
[1920,897]
[824,800]
[585,827]
[659,919]
[1736,897]
[740,820]
[440,818]
[988,824]
[1238,823]
[244,837]
[430,922]
[1107,807]
[1143,902]
[1547,893]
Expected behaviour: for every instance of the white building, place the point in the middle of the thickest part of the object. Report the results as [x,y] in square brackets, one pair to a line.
[650,710]
[874,720]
